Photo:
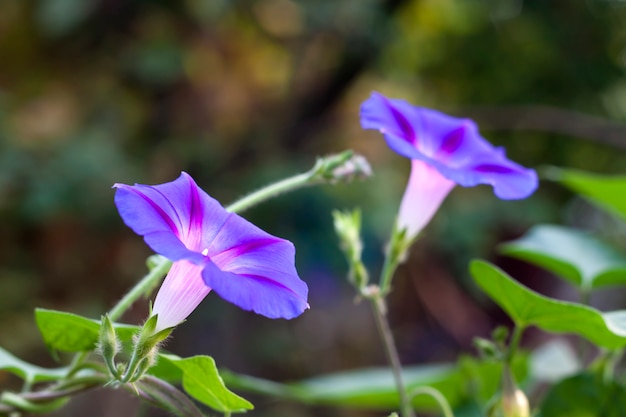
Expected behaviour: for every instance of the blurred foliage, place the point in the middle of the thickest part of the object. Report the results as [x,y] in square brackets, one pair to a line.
[241,92]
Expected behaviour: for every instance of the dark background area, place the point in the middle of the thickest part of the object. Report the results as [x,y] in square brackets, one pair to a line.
[239,93]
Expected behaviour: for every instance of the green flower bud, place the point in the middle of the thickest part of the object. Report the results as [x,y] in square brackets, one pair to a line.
[514,401]
[486,348]
[108,344]
[344,166]
[348,229]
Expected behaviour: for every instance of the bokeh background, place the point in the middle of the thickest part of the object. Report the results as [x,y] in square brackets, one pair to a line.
[243,92]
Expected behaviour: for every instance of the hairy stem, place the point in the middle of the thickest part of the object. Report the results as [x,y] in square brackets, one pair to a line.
[389,268]
[342,166]
[380,314]
[272,190]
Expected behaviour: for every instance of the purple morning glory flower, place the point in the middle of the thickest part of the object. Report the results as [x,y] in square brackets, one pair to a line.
[212,249]
[445,151]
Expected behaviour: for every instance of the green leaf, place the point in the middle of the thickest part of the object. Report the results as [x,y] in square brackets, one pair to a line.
[70,332]
[584,395]
[528,308]
[571,254]
[66,331]
[166,370]
[374,388]
[202,381]
[27,371]
[604,190]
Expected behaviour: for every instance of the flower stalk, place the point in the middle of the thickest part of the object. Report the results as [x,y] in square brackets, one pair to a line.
[159,266]
[379,308]
[343,166]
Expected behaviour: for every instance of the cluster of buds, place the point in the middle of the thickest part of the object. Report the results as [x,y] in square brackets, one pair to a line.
[145,349]
[342,167]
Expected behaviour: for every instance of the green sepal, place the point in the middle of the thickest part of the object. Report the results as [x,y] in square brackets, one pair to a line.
[149,343]
[145,350]
[148,340]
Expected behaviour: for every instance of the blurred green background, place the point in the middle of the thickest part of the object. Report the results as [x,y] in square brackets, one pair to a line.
[242,92]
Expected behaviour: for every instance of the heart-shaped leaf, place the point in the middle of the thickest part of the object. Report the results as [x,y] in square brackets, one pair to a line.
[528,308]
[606,191]
[571,254]
[584,395]
[203,382]
[70,332]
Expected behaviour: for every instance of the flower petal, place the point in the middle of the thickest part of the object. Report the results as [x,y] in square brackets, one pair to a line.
[425,192]
[255,270]
[378,113]
[510,181]
[451,145]
[181,292]
[258,293]
[174,217]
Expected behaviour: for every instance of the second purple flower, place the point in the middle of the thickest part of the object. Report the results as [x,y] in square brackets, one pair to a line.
[445,151]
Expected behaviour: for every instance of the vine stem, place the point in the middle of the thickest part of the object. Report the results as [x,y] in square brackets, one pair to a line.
[380,314]
[389,268]
[270,191]
[514,343]
[41,399]
[437,396]
[144,286]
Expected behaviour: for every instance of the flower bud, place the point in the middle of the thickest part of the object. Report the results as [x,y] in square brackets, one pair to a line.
[357,167]
[348,229]
[514,401]
[344,166]
[516,404]
[108,344]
